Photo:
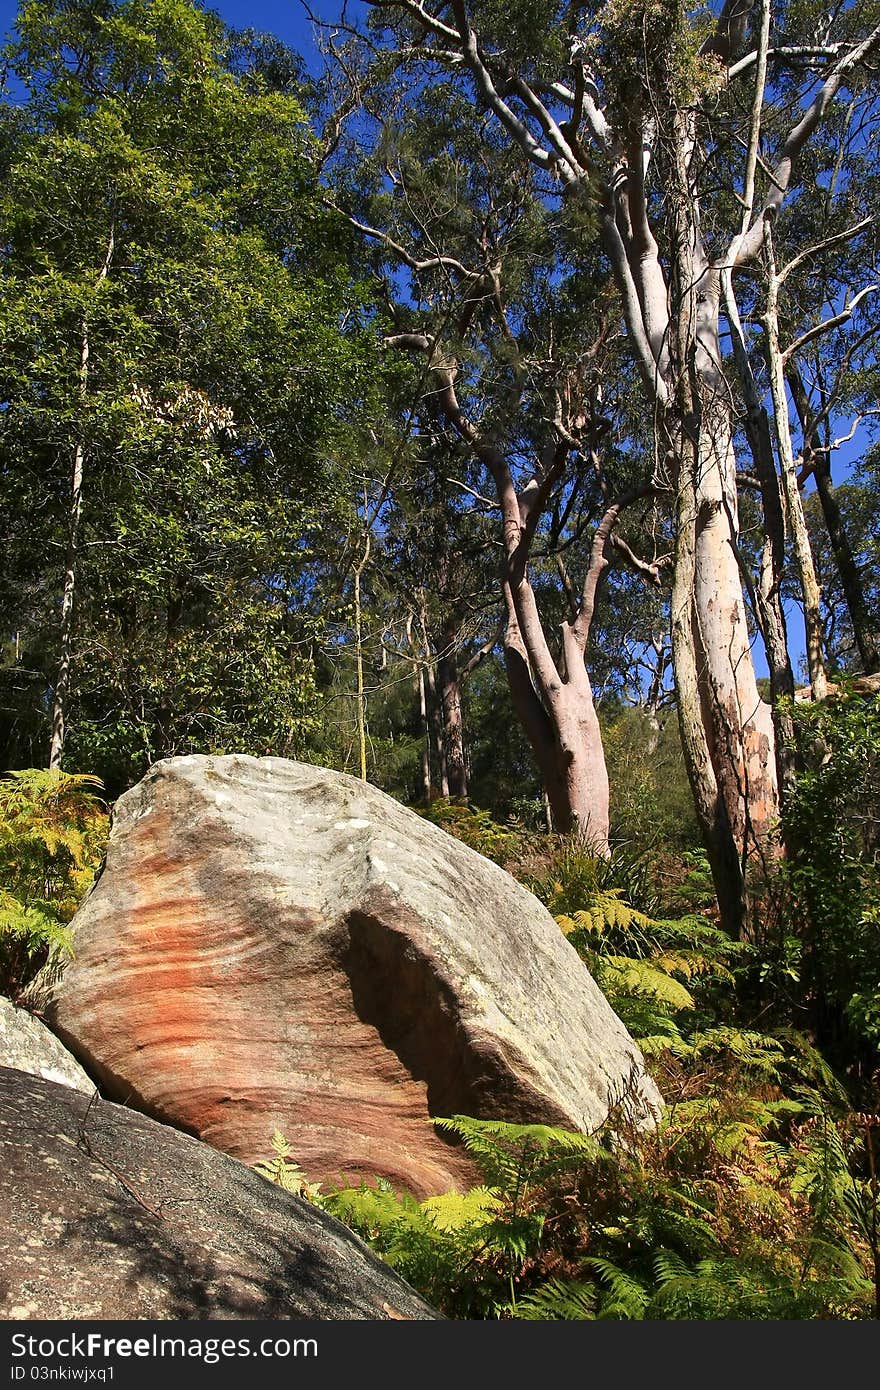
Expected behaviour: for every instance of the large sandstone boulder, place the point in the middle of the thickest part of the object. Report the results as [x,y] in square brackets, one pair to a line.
[106,1214]
[273,945]
[27,1045]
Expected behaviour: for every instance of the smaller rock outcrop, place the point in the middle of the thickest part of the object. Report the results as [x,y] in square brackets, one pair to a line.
[27,1045]
[107,1214]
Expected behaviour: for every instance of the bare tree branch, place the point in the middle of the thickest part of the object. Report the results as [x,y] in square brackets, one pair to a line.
[827,324]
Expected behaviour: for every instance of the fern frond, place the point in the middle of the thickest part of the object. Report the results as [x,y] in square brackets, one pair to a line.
[558,1300]
[286,1174]
[629,975]
[668,1265]
[628,1298]
[508,1154]
[454,1211]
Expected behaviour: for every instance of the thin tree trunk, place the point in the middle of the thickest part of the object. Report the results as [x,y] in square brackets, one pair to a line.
[865,630]
[818,462]
[450,701]
[62,684]
[359,661]
[809,584]
[767,595]
[419,689]
[436,721]
[425,757]
[74,523]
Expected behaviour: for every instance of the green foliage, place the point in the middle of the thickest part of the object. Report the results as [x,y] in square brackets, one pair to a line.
[831,903]
[173,294]
[653,970]
[474,827]
[652,807]
[53,828]
[733,1208]
[445,1247]
[465,1252]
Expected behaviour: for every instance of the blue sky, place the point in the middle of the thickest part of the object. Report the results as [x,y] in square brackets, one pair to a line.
[285,18]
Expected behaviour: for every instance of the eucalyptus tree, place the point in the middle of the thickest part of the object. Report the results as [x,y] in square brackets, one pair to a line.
[439,543]
[175,383]
[479,288]
[633,112]
[857,503]
[809,328]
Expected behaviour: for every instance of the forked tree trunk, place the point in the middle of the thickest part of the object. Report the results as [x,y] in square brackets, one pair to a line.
[565,737]
[555,699]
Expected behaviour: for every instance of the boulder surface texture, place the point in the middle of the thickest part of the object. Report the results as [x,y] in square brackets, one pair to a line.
[276,946]
[27,1045]
[106,1214]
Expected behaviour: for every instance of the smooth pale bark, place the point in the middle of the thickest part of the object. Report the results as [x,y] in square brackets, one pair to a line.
[418,665]
[554,702]
[803,554]
[710,804]
[563,730]
[436,722]
[533,717]
[425,756]
[737,720]
[555,699]
[767,593]
[726,728]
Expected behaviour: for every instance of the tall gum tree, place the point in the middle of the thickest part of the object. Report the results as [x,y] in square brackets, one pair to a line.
[614,107]
[472,299]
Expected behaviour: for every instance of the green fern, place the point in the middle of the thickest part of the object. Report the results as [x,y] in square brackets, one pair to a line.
[606,911]
[52,832]
[512,1156]
[458,1211]
[627,975]
[286,1173]
[623,1296]
[448,1247]
[558,1300]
